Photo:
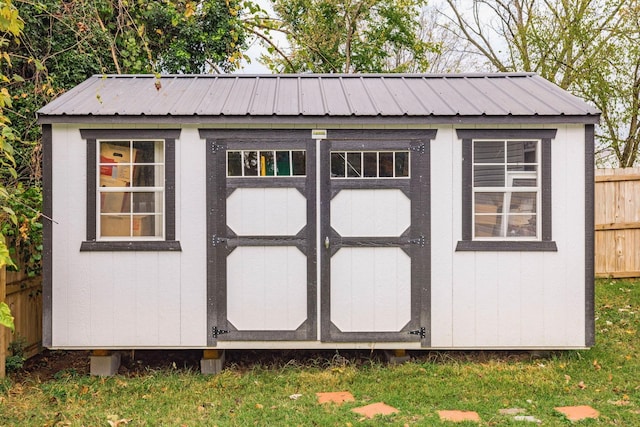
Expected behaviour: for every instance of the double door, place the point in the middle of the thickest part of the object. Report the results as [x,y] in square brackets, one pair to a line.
[317,240]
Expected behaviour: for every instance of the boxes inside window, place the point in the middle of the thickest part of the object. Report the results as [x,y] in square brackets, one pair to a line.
[115,161]
[126,225]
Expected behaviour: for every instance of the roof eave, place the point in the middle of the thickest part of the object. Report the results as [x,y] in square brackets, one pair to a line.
[301,119]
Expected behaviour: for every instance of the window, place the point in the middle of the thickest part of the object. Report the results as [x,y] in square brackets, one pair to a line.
[266,163]
[506,194]
[369,164]
[130,189]
[506,190]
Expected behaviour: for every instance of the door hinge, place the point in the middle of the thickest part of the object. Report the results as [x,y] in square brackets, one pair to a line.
[422,332]
[215,240]
[215,332]
[420,241]
[417,148]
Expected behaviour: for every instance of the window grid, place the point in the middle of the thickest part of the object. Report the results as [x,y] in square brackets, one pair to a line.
[359,165]
[135,215]
[256,163]
[508,190]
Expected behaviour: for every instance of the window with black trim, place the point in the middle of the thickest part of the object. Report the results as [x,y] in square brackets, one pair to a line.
[506,195]
[130,189]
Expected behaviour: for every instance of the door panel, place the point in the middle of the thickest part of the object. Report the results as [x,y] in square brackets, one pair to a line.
[262,238]
[374,226]
[370,289]
[266,288]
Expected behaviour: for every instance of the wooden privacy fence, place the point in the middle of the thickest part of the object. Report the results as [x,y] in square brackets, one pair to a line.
[617,223]
[24,298]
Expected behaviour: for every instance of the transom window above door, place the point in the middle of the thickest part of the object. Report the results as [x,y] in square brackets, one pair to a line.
[266,163]
[370,164]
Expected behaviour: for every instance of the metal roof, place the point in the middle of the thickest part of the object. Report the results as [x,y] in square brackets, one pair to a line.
[290,97]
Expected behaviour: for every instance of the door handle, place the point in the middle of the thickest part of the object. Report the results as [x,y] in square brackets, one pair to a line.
[326,242]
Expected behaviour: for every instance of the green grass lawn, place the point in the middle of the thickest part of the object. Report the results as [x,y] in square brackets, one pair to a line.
[607,377]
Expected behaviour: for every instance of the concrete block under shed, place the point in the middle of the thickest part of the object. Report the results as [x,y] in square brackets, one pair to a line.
[105,366]
[212,365]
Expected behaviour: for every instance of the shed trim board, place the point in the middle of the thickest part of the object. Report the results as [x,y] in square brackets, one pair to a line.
[47,235]
[173,292]
[589,232]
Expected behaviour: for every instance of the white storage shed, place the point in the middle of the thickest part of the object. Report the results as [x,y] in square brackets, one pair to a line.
[318,211]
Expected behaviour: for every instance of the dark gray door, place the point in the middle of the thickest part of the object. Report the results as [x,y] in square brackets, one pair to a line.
[375,241]
[261,199]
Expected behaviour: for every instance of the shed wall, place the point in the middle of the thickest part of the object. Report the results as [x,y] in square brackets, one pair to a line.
[127,299]
[509,299]
[478,299]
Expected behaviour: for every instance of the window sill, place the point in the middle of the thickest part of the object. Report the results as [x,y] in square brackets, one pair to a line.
[506,246]
[131,246]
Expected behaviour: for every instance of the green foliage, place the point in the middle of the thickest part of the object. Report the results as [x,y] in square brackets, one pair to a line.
[6,319]
[25,238]
[17,356]
[367,36]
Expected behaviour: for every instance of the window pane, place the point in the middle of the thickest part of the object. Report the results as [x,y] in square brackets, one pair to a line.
[147,152]
[283,163]
[521,226]
[337,165]
[108,181]
[385,165]
[267,164]
[299,163]
[144,202]
[234,163]
[488,152]
[354,164]
[148,176]
[143,225]
[402,164]
[488,226]
[522,151]
[115,225]
[250,163]
[115,159]
[488,176]
[370,164]
[523,202]
[488,203]
[114,202]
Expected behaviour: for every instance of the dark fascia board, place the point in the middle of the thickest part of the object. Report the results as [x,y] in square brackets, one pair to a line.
[315,120]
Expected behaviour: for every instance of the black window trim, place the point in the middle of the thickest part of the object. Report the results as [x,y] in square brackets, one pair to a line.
[169,243]
[546,244]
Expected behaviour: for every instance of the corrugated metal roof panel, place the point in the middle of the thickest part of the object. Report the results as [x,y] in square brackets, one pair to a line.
[328,95]
[217,93]
[288,97]
[312,97]
[335,97]
[381,97]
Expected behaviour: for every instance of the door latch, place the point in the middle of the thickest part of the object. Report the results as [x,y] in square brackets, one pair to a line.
[326,242]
